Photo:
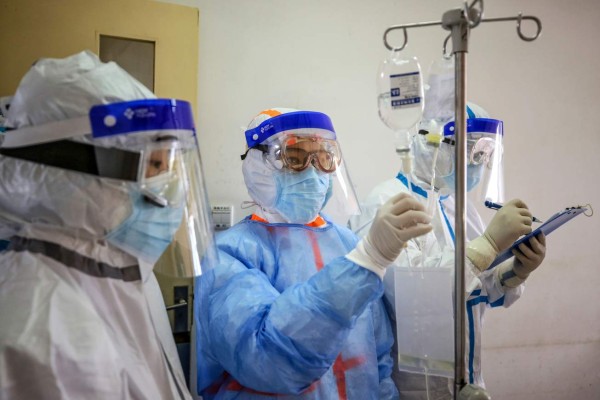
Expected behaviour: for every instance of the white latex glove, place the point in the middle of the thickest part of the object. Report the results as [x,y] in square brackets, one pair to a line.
[527,259]
[512,221]
[397,221]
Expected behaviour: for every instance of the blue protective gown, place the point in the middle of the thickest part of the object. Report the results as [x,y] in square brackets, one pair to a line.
[286,314]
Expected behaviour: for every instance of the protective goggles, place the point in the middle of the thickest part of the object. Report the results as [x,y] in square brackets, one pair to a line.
[296,153]
[484,136]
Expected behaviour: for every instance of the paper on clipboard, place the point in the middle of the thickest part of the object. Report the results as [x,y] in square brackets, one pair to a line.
[549,226]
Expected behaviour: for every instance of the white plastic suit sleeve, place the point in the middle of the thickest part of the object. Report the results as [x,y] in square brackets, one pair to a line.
[481,253]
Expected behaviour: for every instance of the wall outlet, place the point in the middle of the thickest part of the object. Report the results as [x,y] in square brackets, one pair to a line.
[222,217]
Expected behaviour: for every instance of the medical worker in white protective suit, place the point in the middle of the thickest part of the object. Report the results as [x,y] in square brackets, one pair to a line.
[294,308]
[418,288]
[93,187]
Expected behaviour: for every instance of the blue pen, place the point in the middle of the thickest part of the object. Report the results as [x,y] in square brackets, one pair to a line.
[496,206]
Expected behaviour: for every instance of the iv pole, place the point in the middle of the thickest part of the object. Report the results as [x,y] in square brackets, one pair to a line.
[459,22]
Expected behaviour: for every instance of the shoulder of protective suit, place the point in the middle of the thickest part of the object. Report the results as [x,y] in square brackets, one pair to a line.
[385,190]
[237,229]
[345,233]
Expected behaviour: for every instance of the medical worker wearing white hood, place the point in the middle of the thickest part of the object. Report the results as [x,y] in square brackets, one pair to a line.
[294,309]
[94,183]
[418,288]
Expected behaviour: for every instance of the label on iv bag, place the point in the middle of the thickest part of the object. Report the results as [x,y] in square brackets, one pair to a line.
[404,90]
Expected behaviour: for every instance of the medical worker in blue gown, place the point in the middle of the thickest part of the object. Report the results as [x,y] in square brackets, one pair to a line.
[418,287]
[294,308]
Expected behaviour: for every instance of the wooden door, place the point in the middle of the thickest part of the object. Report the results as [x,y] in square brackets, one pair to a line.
[125,29]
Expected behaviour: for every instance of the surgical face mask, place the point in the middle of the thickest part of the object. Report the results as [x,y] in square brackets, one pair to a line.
[301,195]
[474,173]
[329,191]
[148,230]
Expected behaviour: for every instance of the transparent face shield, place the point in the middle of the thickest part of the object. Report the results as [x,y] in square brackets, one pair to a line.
[161,174]
[485,179]
[310,175]
[296,151]
[172,183]
[145,156]
[436,160]
[172,196]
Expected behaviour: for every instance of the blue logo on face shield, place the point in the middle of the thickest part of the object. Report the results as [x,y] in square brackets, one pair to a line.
[140,115]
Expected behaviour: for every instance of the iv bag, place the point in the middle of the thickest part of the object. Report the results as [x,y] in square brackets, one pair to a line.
[439,91]
[400,91]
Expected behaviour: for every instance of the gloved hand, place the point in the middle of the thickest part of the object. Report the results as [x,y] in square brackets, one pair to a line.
[527,259]
[510,222]
[397,221]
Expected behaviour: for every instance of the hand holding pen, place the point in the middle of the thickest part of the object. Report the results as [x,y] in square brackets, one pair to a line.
[495,206]
[512,221]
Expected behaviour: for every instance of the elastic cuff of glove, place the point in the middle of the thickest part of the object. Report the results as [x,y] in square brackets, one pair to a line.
[481,253]
[520,271]
[507,277]
[360,256]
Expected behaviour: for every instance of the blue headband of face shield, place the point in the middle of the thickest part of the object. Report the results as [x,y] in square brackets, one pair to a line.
[141,115]
[31,143]
[480,125]
[286,122]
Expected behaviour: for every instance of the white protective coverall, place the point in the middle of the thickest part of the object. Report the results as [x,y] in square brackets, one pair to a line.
[483,289]
[80,318]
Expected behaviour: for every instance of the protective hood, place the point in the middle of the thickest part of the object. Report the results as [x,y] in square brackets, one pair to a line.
[32,193]
[44,106]
[86,163]
[48,90]
[260,181]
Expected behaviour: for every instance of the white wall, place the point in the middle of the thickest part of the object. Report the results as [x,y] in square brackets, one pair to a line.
[323,55]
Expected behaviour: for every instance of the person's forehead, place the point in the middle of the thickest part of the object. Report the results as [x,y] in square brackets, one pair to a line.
[160,153]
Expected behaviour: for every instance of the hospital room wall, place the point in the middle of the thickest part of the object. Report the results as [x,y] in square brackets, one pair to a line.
[323,55]
[32,29]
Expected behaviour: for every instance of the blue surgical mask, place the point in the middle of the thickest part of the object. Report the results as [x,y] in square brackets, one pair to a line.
[148,230]
[301,195]
[474,173]
[329,191]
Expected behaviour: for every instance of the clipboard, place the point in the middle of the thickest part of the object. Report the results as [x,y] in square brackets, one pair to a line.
[553,223]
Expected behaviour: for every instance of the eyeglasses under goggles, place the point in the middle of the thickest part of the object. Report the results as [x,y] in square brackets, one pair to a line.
[480,148]
[297,153]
